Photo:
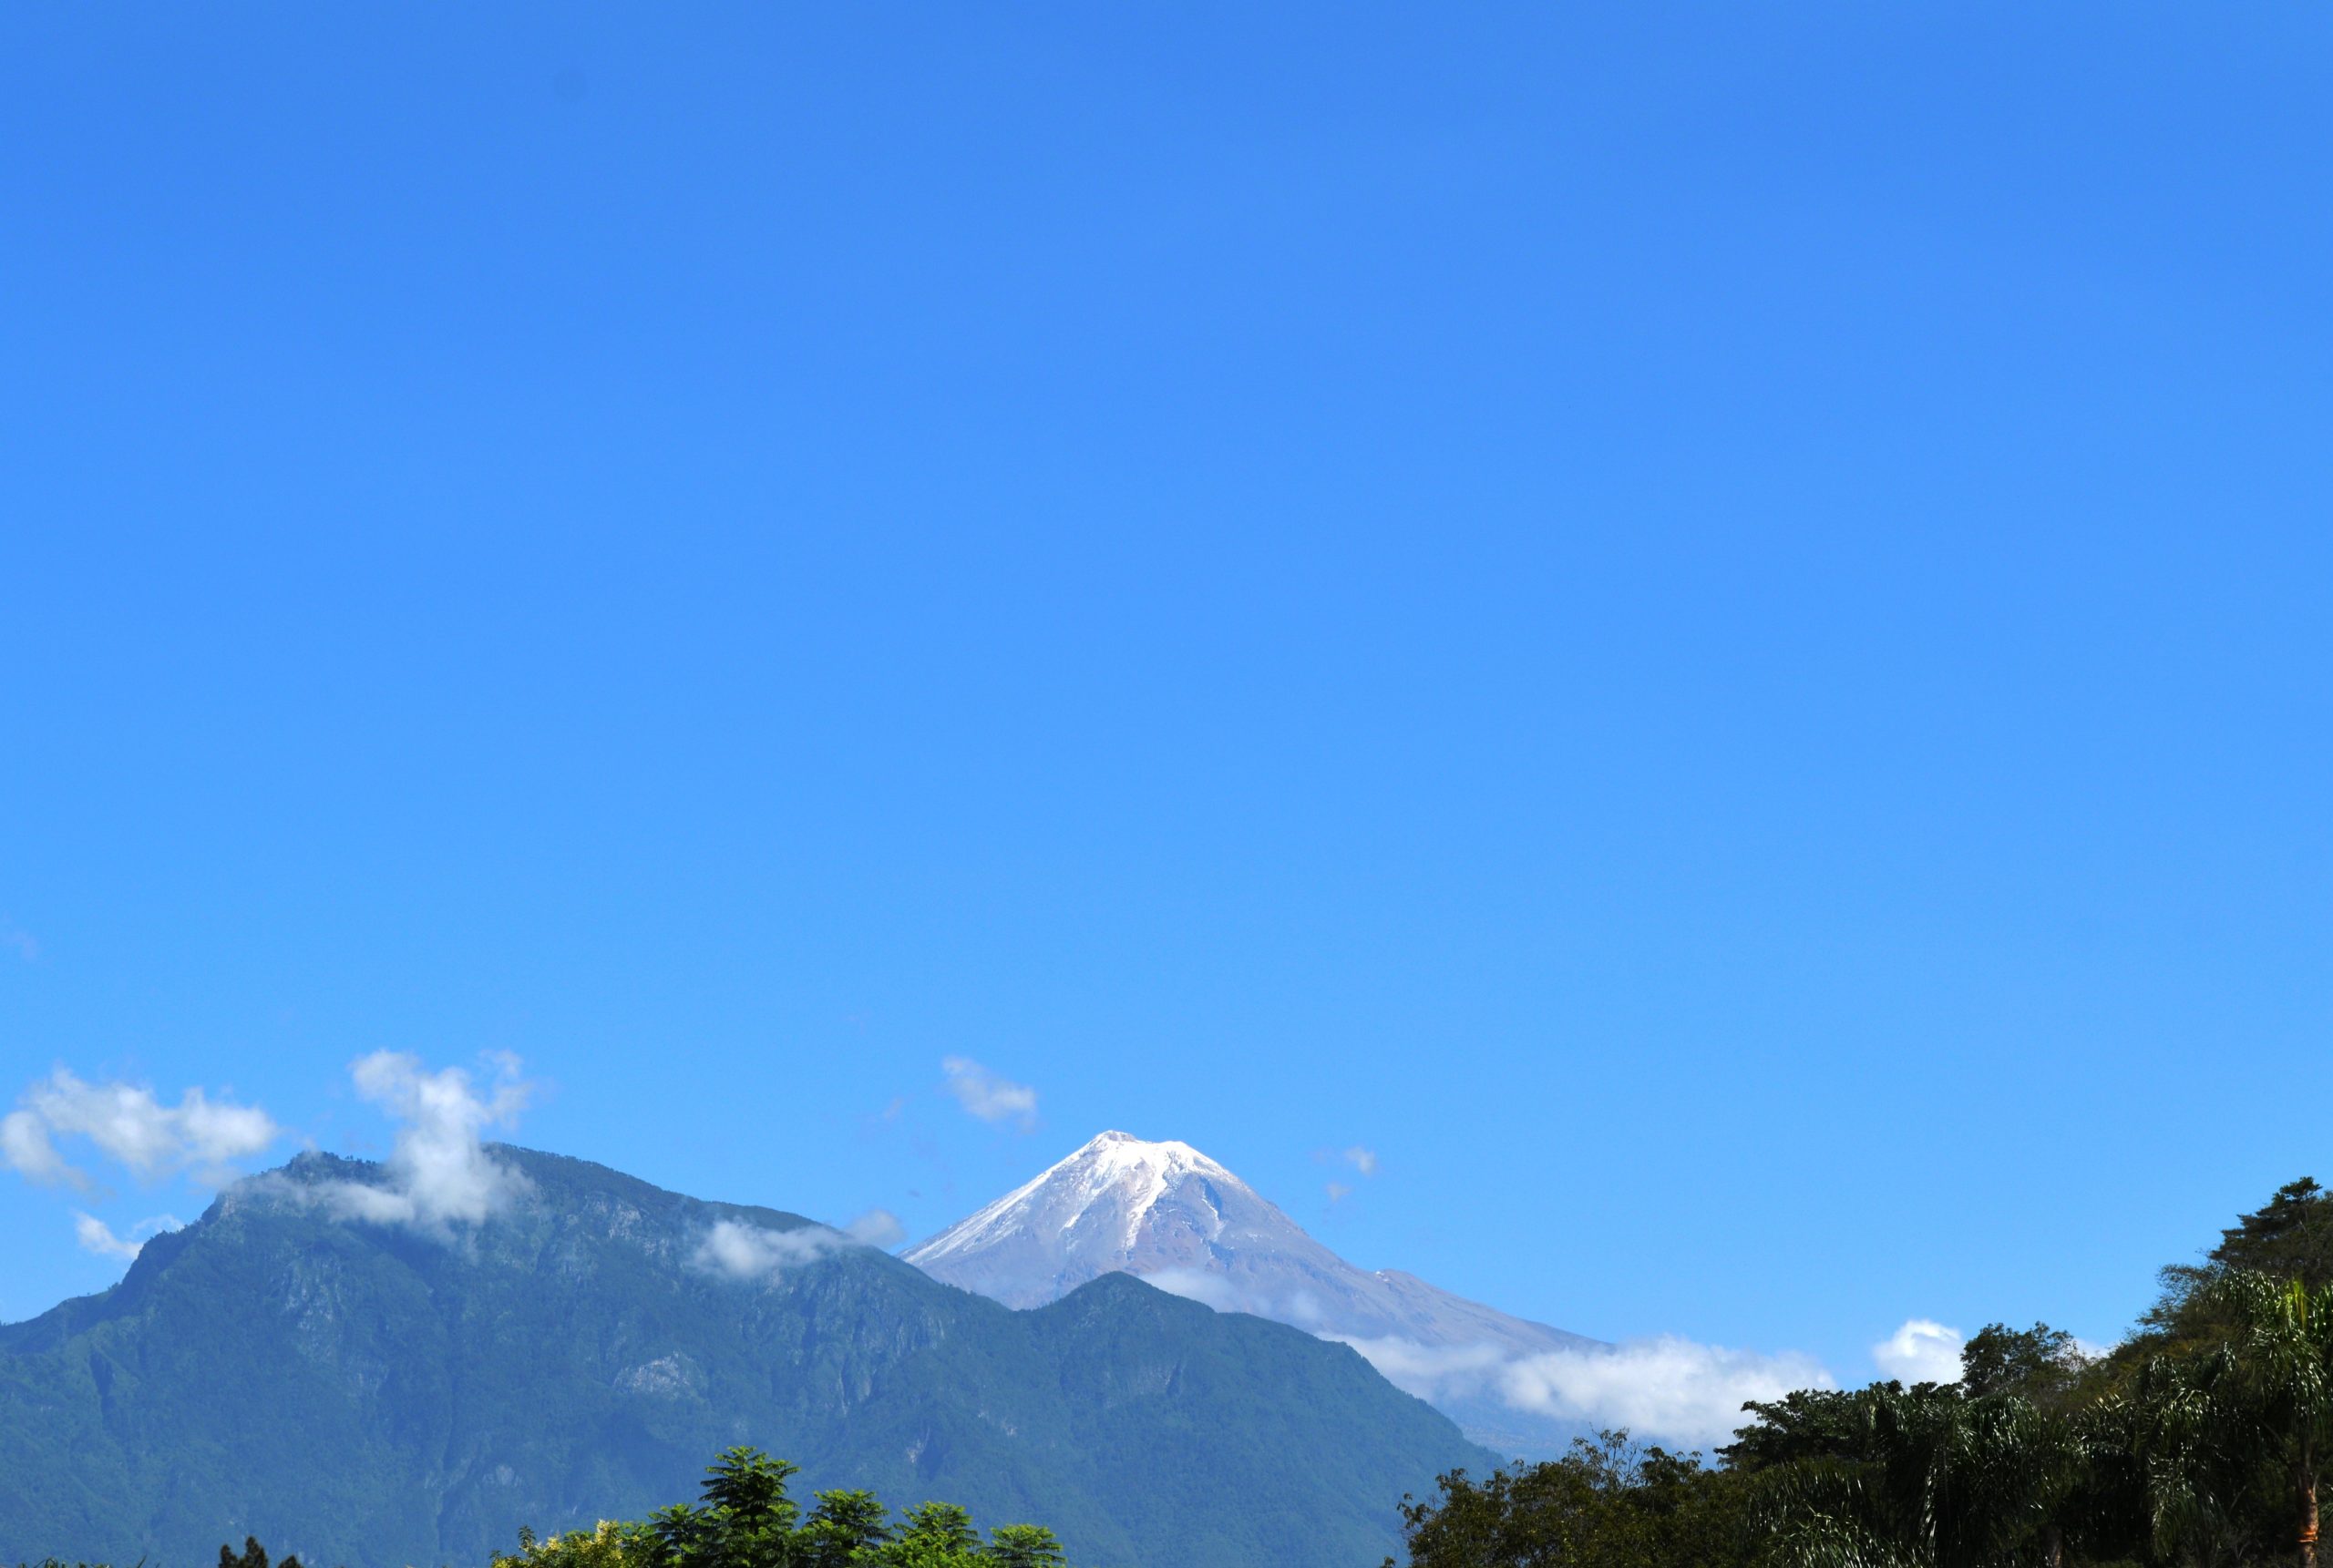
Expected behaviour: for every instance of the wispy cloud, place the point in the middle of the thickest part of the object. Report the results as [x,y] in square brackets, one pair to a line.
[19,942]
[96,1235]
[988,1096]
[440,1172]
[1362,1159]
[128,1125]
[877,1228]
[1921,1351]
[735,1249]
[27,1149]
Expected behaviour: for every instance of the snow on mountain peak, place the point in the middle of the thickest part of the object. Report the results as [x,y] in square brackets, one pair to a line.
[1167,1213]
[1116,1201]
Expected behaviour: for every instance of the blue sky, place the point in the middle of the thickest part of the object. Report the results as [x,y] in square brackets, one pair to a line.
[1703,626]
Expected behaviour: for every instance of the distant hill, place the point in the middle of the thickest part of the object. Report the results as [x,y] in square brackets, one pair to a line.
[368,1396]
[1165,1212]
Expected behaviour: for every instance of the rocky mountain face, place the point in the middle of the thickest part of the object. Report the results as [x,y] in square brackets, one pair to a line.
[1166,1213]
[369,1395]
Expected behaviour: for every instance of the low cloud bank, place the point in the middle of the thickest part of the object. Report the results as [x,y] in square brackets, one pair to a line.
[127,1125]
[1299,1307]
[1666,1390]
[737,1249]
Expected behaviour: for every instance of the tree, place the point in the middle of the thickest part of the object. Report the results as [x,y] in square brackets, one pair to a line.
[1023,1546]
[253,1555]
[843,1525]
[746,1520]
[2196,1466]
[1604,1505]
[2041,1363]
[930,1535]
[2291,1238]
[1878,1489]
[610,1545]
[2282,1379]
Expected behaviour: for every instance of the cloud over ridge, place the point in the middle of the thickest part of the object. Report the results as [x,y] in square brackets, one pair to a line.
[440,1174]
[739,1249]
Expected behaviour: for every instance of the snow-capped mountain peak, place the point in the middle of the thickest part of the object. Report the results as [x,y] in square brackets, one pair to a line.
[1168,1212]
[1120,1202]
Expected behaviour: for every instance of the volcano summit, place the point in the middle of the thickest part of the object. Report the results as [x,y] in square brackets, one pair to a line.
[1181,1221]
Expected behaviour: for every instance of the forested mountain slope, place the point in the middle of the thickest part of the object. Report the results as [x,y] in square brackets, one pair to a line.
[367,1395]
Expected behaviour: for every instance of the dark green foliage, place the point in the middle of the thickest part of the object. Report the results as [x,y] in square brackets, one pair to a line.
[1810,1424]
[1605,1504]
[743,1519]
[842,1525]
[375,1399]
[2290,1237]
[253,1555]
[2199,1443]
[1023,1546]
[746,1520]
[2039,1363]
[938,1527]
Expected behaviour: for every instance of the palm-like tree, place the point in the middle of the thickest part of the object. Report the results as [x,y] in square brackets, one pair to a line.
[1942,1481]
[2015,1469]
[1893,1500]
[2282,1378]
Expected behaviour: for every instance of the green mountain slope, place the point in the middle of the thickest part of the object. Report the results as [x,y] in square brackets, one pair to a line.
[368,1396]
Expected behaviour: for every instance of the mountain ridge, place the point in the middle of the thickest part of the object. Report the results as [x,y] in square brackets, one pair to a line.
[370,1395]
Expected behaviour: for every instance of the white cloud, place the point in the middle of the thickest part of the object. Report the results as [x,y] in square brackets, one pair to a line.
[1670,1388]
[1338,1192]
[744,1251]
[1361,1160]
[987,1096]
[740,1250]
[877,1228]
[1197,1285]
[439,1173]
[1666,1390]
[27,1149]
[96,1235]
[1433,1371]
[127,1124]
[1921,1351]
